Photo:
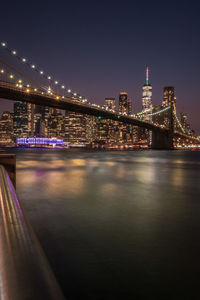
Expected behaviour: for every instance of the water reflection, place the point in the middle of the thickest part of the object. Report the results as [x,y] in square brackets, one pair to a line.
[109,221]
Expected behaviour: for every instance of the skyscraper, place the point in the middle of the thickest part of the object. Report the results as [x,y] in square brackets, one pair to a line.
[110,103]
[147,94]
[75,126]
[129,106]
[22,119]
[123,102]
[169,97]
[6,128]
[125,107]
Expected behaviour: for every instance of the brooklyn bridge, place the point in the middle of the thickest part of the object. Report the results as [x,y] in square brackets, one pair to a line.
[16,85]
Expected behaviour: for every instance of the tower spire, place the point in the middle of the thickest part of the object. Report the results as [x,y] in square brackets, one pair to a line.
[147,75]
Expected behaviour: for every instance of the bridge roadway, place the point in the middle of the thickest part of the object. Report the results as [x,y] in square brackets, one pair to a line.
[9,91]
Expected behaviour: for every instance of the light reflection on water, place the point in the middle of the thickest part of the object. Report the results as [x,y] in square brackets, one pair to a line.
[116,225]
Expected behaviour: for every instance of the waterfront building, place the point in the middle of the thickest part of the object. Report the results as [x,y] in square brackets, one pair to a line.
[91,129]
[55,123]
[38,121]
[75,127]
[108,129]
[6,128]
[22,119]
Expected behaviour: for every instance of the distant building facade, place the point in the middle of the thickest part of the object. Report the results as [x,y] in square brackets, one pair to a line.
[22,119]
[125,106]
[169,96]
[110,103]
[6,128]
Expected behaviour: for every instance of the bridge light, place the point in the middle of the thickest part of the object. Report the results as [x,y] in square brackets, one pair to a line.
[24,59]
[2,71]
[20,81]
[11,76]
[41,72]
[63,97]
[80,97]
[35,90]
[69,91]
[49,77]
[14,52]
[17,84]
[75,94]
[62,86]
[3,44]
[20,86]
[27,90]
[28,85]
[56,82]
[57,97]
[33,66]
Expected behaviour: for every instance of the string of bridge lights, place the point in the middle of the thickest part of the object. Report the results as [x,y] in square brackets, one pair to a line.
[179,123]
[155,113]
[41,72]
[28,88]
[69,91]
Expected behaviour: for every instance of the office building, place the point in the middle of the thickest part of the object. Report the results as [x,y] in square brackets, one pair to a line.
[6,128]
[147,94]
[22,119]
[110,103]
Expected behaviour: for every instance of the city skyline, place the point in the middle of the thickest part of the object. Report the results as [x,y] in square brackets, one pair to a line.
[96,53]
[145,97]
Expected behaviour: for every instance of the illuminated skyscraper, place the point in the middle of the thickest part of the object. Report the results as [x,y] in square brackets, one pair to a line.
[110,103]
[169,97]
[75,126]
[123,102]
[147,94]
[22,126]
[125,107]
[6,128]
[129,106]
[184,122]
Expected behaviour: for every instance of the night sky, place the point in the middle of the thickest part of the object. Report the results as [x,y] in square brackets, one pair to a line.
[99,48]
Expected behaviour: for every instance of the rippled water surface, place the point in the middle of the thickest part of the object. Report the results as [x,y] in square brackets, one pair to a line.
[116,225]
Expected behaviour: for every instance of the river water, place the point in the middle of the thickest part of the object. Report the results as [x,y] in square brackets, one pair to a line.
[116,225]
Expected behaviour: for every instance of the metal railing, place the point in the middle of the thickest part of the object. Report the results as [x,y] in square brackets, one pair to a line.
[24,270]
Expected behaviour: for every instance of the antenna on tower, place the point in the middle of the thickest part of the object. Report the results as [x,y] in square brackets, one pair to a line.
[147,75]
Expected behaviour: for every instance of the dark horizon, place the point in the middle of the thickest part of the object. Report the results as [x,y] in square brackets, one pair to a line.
[102,49]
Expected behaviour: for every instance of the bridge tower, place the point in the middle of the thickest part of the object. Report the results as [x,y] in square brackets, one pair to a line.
[163,140]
